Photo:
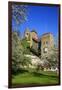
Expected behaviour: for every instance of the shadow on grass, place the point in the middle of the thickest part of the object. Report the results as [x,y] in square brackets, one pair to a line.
[37,74]
[20,71]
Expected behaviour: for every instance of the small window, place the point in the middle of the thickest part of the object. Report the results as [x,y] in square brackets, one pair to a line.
[47,42]
[27,33]
[45,50]
[44,43]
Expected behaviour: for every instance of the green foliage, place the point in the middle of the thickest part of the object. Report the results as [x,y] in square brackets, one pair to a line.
[16,51]
[43,77]
[26,61]
[25,45]
[54,58]
[18,58]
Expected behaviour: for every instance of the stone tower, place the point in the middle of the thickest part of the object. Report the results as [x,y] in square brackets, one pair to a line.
[28,36]
[31,38]
[34,39]
[27,33]
[47,44]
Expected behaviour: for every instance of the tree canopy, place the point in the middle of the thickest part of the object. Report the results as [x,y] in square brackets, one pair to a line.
[18,57]
[19,13]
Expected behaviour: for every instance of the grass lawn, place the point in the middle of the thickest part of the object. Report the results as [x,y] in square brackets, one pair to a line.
[41,77]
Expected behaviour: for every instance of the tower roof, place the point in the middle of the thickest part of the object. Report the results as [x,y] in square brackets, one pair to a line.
[34,31]
[26,30]
[46,33]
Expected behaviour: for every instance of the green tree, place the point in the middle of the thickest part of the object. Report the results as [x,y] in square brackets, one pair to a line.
[18,58]
[16,48]
[53,58]
[26,46]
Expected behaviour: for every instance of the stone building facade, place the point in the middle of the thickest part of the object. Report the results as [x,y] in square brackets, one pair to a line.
[47,45]
[47,42]
[32,38]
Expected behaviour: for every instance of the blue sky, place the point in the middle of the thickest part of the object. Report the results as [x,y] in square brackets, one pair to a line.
[42,19]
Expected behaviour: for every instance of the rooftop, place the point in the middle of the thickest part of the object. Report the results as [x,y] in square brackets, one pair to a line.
[46,33]
[34,31]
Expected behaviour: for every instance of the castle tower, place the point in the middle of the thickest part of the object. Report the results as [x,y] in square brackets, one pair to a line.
[34,39]
[27,33]
[31,38]
[47,44]
[28,36]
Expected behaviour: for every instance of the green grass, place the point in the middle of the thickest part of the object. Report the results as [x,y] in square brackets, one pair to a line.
[32,77]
